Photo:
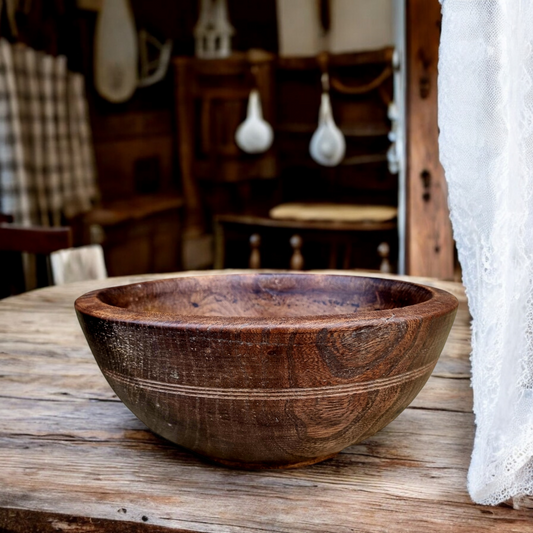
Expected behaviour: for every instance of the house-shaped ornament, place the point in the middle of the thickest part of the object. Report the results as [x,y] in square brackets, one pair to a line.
[213,31]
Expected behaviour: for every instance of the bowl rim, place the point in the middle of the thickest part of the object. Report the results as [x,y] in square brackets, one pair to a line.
[440,302]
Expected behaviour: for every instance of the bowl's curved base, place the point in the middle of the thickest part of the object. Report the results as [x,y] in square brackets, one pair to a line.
[267,466]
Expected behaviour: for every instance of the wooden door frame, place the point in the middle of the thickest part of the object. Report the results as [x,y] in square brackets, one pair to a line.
[429,245]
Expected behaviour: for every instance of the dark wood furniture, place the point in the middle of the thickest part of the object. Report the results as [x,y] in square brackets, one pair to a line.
[333,245]
[139,234]
[140,210]
[74,458]
[38,241]
[33,239]
[361,89]
[223,184]
[144,126]
[210,99]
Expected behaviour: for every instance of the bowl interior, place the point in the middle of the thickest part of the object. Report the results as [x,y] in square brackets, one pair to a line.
[264,295]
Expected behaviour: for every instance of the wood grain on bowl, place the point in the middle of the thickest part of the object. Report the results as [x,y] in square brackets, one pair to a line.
[267,370]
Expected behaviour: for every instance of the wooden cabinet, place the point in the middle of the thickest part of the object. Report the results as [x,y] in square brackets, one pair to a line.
[361,89]
[210,99]
[139,220]
[140,234]
[220,181]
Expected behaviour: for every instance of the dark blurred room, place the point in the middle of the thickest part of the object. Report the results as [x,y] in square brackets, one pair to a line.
[288,134]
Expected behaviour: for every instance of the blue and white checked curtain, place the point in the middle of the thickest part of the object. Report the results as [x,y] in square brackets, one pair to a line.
[47,167]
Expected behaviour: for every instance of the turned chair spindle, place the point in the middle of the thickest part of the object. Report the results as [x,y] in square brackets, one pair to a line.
[384,252]
[297,259]
[255,255]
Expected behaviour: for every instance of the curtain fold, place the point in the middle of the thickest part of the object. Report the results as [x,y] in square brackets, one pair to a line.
[47,170]
[486,148]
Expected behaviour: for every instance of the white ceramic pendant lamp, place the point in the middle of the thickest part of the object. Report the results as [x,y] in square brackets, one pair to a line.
[328,145]
[255,134]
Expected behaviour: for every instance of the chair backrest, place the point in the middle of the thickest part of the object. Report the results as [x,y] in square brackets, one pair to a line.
[297,261]
[211,102]
[16,240]
[78,264]
[33,239]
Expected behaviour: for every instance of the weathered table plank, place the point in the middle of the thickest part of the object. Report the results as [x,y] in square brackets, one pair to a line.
[73,458]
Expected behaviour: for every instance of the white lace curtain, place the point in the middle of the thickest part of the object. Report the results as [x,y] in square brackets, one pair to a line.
[486,145]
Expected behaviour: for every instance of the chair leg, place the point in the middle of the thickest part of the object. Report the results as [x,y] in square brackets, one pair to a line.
[333,255]
[12,281]
[43,270]
[220,245]
[384,252]
[297,259]
[347,256]
[255,255]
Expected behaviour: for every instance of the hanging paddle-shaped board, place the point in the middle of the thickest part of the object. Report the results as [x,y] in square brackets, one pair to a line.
[116,53]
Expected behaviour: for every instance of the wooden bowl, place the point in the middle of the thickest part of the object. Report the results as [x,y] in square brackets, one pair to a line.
[267,370]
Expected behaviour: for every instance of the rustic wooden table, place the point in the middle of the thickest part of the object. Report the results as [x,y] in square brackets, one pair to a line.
[73,458]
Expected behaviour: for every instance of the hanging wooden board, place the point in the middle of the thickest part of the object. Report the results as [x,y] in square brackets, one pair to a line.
[429,244]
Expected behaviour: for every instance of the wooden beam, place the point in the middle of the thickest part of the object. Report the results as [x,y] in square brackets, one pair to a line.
[429,244]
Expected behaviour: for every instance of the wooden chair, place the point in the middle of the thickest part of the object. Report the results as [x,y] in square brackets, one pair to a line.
[299,244]
[211,98]
[297,260]
[16,240]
